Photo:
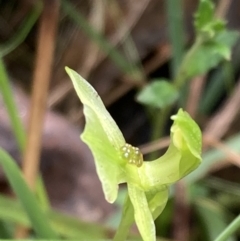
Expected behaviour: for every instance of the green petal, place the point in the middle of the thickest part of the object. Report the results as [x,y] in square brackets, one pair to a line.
[157,200]
[142,213]
[190,132]
[102,135]
[182,156]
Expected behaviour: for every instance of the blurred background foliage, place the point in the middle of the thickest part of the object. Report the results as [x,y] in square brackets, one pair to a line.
[124,49]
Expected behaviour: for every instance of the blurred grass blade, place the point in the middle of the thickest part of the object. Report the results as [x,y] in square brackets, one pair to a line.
[217,82]
[176,33]
[25,28]
[17,126]
[126,66]
[231,228]
[213,217]
[68,227]
[39,220]
[41,194]
[8,99]
[220,82]
[74,228]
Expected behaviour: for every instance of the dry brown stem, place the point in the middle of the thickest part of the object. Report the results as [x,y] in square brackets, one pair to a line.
[220,123]
[181,213]
[195,91]
[41,79]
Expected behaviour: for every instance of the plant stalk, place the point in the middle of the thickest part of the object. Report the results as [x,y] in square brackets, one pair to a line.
[179,82]
[126,221]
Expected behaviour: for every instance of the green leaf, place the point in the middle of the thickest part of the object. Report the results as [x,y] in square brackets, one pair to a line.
[69,227]
[5,231]
[211,53]
[206,24]
[204,14]
[225,41]
[213,217]
[212,45]
[39,220]
[158,94]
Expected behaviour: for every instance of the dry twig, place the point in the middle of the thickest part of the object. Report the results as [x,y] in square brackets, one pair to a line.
[232,156]
[220,123]
[41,79]
[195,91]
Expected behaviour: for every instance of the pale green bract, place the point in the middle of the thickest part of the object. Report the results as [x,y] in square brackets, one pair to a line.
[118,162]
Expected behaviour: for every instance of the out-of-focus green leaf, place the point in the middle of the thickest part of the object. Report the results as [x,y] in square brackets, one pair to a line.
[204,14]
[39,220]
[221,81]
[213,217]
[176,32]
[68,227]
[206,24]
[208,55]
[159,94]
[213,42]
[5,231]
[224,41]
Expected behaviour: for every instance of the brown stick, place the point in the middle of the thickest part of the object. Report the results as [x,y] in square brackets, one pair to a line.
[195,92]
[181,213]
[41,79]
[232,156]
[222,8]
[220,123]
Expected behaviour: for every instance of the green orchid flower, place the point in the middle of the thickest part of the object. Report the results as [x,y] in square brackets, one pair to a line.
[118,162]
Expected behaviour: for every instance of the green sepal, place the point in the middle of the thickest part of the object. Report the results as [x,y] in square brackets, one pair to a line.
[102,135]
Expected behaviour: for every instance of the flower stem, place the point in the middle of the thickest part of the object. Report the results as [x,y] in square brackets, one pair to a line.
[126,221]
[181,76]
[179,81]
